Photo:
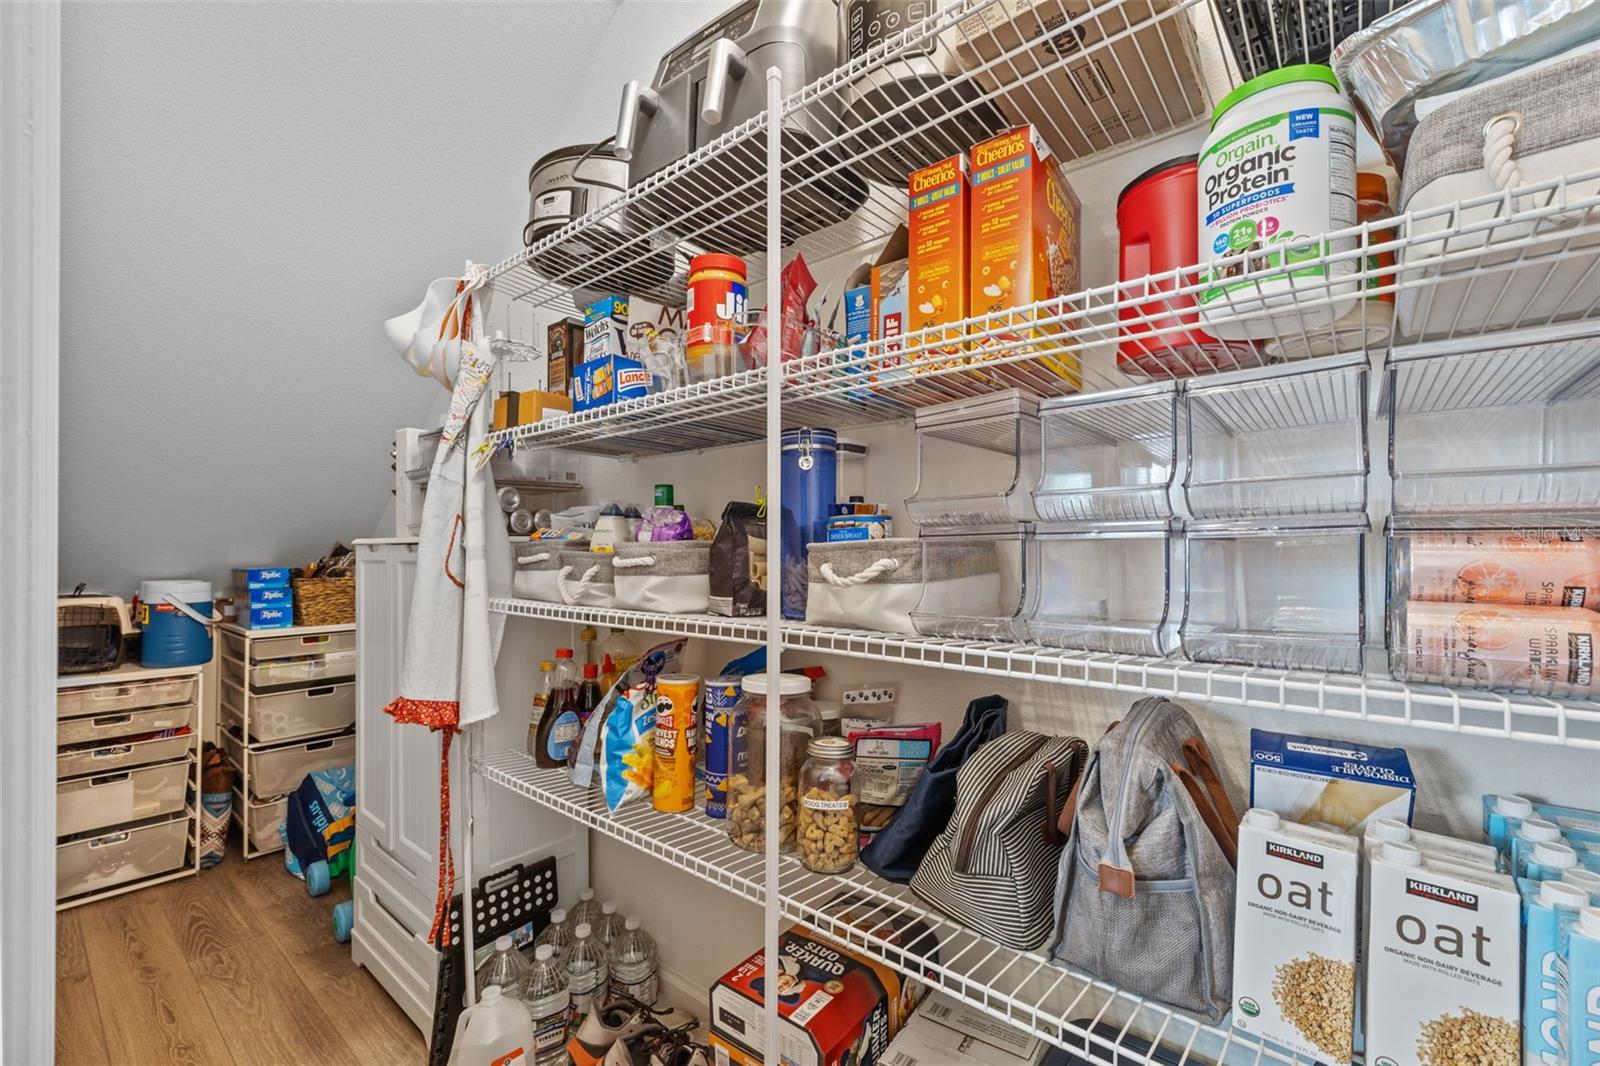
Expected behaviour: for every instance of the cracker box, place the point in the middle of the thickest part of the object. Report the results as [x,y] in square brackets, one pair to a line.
[946,1030]
[598,382]
[1113,73]
[1336,782]
[938,217]
[1026,244]
[563,350]
[835,1007]
[1294,956]
[1443,962]
[605,328]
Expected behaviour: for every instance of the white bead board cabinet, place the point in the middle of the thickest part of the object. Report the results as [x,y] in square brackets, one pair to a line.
[127,798]
[287,701]
[397,791]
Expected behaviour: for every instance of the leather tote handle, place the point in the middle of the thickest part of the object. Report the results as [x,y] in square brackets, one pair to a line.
[1224,833]
[1198,756]
[1058,819]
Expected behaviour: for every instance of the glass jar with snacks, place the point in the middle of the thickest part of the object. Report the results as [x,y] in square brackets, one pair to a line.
[827,816]
[798,723]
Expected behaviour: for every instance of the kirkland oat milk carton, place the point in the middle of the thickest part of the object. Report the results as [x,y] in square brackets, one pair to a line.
[1443,963]
[1294,957]
[1026,242]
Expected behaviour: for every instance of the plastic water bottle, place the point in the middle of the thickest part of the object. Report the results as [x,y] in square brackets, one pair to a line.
[610,923]
[548,1002]
[587,973]
[558,934]
[505,968]
[587,910]
[634,965]
[495,1031]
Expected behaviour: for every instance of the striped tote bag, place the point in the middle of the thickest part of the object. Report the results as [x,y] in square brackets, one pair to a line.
[993,869]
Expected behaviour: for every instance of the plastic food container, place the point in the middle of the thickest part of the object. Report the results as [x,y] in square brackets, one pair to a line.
[798,723]
[717,299]
[977,586]
[1277,173]
[1109,591]
[977,462]
[1108,456]
[827,814]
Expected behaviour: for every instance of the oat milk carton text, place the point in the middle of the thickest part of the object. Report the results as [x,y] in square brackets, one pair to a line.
[1581,1009]
[1443,963]
[1294,958]
[1548,907]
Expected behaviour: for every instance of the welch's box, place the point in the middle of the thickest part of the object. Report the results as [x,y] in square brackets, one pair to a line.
[598,382]
[1335,783]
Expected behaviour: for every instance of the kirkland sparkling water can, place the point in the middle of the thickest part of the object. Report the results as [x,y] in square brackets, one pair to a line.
[723,720]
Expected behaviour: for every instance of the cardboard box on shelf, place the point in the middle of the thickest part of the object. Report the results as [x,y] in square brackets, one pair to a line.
[598,382]
[605,328]
[1094,95]
[532,405]
[938,220]
[563,350]
[834,1006]
[889,282]
[647,318]
[946,1030]
[1026,243]
[1311,780]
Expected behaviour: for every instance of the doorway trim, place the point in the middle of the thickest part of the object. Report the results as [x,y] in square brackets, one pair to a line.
[30,290]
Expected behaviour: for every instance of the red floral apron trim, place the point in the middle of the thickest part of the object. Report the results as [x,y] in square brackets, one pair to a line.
[449,553]
[439,932]
[435,714]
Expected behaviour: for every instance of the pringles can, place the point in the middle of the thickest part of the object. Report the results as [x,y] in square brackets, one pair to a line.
[676,738]
[723,722]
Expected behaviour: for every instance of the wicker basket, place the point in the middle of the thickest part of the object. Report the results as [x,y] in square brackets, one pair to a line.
[325,601]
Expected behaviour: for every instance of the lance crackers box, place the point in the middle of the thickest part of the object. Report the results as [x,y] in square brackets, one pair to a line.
[938,219]
[1026,242]
[834,1007]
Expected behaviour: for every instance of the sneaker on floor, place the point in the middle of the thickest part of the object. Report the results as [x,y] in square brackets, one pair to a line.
[680,1055]
[610,1027]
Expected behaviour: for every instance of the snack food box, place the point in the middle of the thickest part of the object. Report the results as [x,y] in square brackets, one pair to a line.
[598,382]
[1026,243]
[859,527]
[1334,782]
[605,328]
[938,215]
[835,1007]
[646,317]
[563,350]
[945,1030]
[1294,957]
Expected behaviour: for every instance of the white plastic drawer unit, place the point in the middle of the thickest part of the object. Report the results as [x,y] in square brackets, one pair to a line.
[274,771]
[268,649]
[114,725]
[138,750]
[295,713]
[262,819]
[92,863]
[98,700]
[283,673]
[87,803]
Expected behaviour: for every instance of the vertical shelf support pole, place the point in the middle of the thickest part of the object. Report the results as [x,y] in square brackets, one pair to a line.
[774,736]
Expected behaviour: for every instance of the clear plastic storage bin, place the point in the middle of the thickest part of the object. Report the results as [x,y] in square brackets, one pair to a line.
[108,727]
[1473,606]
[1278,441]
[1289,598]
[87,803]
[977,586]
[1108,457]
[977,462]
[1108,590]
[92,863]
[108,699]
[1509,428]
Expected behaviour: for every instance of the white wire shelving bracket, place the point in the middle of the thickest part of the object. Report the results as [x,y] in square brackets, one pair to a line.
[1064,1007]
[1357,697]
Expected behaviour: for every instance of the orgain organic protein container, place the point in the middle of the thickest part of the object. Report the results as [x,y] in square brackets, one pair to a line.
[1277,172]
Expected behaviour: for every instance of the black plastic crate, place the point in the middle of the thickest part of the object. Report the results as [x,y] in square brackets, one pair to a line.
[1268,34]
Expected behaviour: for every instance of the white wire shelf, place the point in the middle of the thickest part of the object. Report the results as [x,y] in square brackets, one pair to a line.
[1488,267]
[1069,1009]
[1358,697]
[1093,78]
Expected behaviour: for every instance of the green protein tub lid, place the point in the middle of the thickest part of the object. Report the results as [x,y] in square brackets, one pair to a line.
[1271,80]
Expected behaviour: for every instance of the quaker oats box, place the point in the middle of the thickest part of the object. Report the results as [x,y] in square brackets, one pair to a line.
[835,1007]
[1026,241]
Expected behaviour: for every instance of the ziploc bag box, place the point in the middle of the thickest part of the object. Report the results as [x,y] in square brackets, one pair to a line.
[273,597]
[261,577]
[1333,782]
[274,617]
[598,382]
[834,1006]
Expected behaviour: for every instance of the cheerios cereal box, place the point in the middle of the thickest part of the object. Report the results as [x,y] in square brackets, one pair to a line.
[1026,243]
[938,216]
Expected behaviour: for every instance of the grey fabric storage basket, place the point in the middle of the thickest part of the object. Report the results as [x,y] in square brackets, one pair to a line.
[586,578]
[534,565]
[672,576]
[1170,938]
[864,584]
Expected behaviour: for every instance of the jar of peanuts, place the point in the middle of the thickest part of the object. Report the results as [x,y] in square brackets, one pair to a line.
[827,815]
[794,726]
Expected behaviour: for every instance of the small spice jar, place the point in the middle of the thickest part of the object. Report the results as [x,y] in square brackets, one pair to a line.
[827,815]
[797,725]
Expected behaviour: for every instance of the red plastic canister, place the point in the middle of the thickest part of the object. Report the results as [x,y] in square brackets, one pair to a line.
[1158,225]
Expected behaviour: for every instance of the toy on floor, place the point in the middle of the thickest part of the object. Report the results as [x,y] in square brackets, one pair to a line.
[319,827]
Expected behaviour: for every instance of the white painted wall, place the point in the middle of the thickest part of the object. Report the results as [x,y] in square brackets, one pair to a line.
[248,191]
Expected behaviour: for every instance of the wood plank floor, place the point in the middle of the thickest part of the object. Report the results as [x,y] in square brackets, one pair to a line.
[237,965]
